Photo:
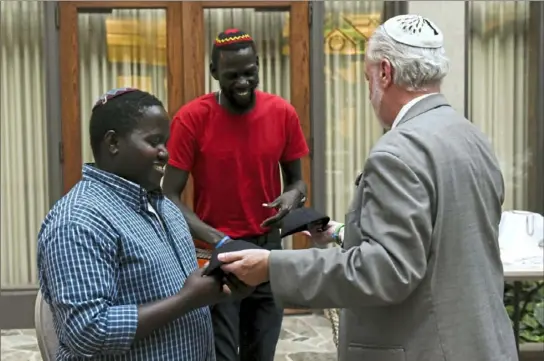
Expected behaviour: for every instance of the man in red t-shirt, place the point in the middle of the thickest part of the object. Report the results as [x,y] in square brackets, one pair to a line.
[232,142]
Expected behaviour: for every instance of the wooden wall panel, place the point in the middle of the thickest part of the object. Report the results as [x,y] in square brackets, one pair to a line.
[299,47]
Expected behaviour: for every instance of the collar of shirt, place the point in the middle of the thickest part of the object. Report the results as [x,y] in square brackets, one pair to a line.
[133,194]
[407,107]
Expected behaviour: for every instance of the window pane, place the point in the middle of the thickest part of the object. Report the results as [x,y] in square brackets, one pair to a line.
[120,48]
[498,88]
[23,133]
[351,125]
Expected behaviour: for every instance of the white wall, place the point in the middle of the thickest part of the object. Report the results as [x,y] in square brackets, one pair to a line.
[449,16]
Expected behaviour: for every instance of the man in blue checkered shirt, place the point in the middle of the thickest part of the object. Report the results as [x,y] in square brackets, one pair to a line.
[116,260]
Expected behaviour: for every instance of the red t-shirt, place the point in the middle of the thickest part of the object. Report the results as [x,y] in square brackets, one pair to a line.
[234,159]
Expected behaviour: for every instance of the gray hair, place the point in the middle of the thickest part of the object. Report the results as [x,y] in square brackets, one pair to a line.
[415,68]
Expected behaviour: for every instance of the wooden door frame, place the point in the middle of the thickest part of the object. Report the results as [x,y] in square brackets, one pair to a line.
[69,76]
[299,48]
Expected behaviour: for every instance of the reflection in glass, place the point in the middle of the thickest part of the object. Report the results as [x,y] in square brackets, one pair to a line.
[498,96]
[120,48]
[351,125]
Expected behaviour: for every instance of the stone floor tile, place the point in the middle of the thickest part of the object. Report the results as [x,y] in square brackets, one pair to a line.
[20,356]
[311,356]
[298,326]
[303,338]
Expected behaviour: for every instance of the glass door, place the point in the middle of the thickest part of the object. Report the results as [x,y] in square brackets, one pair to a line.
[111,45]
[281,31]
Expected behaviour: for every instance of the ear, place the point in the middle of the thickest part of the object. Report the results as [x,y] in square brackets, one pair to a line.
[257,61]
[111,141]
[386,73]
[213,71]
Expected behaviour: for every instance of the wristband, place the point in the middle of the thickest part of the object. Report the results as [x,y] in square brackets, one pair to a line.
[336,234]
[222,241]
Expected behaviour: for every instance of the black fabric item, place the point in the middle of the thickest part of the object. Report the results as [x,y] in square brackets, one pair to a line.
[214,267]
[249,329]
[299,219]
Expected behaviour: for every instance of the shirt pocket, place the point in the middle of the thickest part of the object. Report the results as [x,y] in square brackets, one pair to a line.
[358,352]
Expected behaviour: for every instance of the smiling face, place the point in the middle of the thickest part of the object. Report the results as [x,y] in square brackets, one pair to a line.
[238,75]
[141,155]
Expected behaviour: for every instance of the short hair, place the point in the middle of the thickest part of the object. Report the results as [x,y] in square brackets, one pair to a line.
[119,110]
[231,40]
[415,68]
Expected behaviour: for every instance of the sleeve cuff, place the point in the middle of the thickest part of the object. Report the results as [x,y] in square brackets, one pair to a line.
[282,293]
[295,156]
[179,165]
[122,322]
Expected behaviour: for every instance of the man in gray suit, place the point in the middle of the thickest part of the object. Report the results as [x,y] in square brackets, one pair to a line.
[419,276]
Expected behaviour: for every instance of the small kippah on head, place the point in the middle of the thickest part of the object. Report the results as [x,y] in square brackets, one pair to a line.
[414,30]
[232,36]
[114,93]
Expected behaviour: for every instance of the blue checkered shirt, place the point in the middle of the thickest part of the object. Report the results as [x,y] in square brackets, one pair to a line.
[105,248]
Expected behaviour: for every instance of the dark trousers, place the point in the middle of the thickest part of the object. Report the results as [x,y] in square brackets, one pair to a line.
[251,325]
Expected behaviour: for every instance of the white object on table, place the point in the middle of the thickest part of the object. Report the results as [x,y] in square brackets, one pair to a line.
[521,237]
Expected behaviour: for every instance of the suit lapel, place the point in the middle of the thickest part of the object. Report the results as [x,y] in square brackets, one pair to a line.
[423,106]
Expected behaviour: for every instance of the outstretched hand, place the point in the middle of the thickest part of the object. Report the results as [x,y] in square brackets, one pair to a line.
[249,266]
[322,235]
[286,202]
[231,287]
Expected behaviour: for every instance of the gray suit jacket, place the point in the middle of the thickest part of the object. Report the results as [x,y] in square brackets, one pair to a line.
[420,276]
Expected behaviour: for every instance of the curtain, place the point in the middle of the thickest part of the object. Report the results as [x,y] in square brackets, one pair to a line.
[270,30]
[351,125]
[23,139]
[123,48]
[498,72]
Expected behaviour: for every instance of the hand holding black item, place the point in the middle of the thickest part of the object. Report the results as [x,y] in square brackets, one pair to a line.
[202,290]
[303,219]
[238,289]
[214,266]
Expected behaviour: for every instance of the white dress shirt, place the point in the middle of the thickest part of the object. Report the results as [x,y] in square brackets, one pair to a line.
[407,107]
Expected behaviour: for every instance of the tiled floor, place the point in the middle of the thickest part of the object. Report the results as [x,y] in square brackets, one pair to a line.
[303,338]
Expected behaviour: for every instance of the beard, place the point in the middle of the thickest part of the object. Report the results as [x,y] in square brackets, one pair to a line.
[237,104]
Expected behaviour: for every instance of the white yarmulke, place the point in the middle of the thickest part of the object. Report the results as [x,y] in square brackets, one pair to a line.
[414,30]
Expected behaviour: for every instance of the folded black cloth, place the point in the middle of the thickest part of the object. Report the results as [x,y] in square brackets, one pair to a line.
[214,267]
[300,219]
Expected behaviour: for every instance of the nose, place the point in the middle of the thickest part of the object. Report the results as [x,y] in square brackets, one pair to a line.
[163,155]
[242,83]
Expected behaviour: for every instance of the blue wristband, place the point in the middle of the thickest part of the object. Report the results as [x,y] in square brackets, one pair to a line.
[222,241]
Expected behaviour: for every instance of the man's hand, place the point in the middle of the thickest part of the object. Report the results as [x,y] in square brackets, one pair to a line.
[204,290]
[238,289]
[284,204]
[323,236]
[233,286]
[249,266]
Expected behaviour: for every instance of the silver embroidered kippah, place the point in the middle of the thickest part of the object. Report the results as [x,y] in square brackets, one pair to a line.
[414,30]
